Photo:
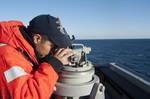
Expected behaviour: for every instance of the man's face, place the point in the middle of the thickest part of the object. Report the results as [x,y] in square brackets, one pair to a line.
[43,46]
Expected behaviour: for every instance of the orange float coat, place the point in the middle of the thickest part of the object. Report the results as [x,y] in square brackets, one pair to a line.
[18,80]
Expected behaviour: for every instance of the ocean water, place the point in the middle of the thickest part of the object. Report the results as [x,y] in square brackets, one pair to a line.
[129,53]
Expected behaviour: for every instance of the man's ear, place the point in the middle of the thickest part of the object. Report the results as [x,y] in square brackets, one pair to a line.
[37,38]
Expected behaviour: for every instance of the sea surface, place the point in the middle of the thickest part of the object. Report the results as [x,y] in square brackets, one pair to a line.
[128,53]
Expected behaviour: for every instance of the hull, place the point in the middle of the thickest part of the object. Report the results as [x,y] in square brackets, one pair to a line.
[121,83]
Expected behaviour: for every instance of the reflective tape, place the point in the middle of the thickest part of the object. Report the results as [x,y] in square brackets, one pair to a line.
[2,44]
[13,73]
[55,88]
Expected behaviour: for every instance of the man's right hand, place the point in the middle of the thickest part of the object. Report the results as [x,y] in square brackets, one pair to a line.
[63,54]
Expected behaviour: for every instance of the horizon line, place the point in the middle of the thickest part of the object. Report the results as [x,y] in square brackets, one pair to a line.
[108,38]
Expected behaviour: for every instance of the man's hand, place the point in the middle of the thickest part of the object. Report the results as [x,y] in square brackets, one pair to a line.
[59,59]
[63,54]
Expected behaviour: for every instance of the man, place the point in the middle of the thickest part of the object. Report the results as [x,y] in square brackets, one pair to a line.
[31,58]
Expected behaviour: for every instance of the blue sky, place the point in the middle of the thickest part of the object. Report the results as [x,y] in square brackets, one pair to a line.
[87,19]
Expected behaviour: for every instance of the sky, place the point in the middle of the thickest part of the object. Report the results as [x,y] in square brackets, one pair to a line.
[86,19]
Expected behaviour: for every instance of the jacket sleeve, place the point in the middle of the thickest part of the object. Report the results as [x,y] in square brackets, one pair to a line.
[23,84]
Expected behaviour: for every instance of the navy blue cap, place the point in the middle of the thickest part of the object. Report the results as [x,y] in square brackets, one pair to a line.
[51,27]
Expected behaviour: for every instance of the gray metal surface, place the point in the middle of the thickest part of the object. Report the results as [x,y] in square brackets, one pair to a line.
[137,80]
[84,89]
[77,77]
[119,84]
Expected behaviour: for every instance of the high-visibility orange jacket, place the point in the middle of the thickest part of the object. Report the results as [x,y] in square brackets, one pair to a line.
[18,80]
